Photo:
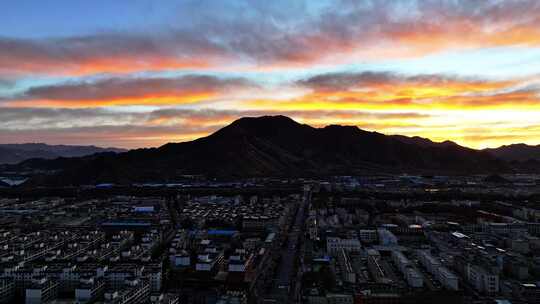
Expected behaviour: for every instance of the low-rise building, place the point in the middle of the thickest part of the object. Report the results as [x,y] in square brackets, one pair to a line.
[335,244]
[42,290]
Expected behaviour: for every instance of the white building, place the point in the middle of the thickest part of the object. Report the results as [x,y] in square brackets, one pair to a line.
[347,271]
[154,275]
[400,260]
[335,244]
[412,276]
[208,261]
[483,280]
[313,228]
[181,260]
[447,278]
[7,290]
[239,262]
[368,235]
[42,290]
[89,289]
[336,298]
[428,261]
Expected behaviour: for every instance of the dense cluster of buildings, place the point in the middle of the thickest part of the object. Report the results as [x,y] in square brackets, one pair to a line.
[340,241]
[420,247]
[84,258]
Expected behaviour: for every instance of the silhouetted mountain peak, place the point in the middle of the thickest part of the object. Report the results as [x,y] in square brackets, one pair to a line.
[516,152]
[263,126]
[265,120]
[341,128]
[274,146]
[264,123]
[518,146]
[449,143]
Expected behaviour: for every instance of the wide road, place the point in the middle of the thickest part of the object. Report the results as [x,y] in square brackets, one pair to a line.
[286,273]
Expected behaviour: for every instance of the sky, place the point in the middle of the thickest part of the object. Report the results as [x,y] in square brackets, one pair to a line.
[137,73]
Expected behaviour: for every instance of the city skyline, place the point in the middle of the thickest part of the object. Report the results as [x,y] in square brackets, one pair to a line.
[142,74]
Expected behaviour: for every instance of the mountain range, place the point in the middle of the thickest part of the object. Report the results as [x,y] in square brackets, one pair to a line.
[16,153]
[516,153]
[271,146]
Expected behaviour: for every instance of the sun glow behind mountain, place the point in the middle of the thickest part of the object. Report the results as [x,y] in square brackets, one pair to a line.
[148,73]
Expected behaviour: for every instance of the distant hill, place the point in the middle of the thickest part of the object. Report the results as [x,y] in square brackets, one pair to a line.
[425,142]
[270,146]
[15,153]
[516,152]
[496,179]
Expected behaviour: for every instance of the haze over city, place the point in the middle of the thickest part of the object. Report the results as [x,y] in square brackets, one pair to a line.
[135,74]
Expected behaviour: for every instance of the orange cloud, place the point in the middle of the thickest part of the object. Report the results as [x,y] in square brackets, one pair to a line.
[387,91]
[151,99]
[130,91]
[339,34]
[130,65]
[116,65]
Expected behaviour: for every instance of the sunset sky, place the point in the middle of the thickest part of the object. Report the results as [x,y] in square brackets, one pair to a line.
[137,73]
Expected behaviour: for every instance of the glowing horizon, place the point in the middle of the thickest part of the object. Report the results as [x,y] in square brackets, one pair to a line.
[142,74]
